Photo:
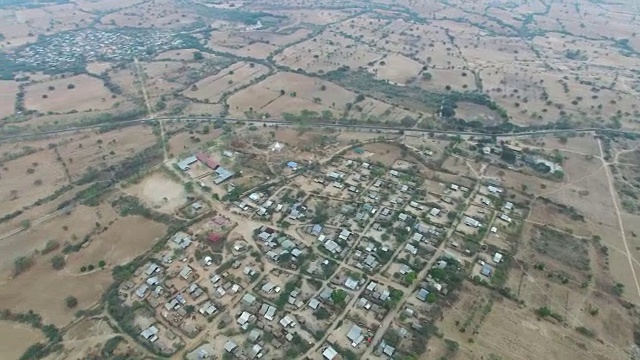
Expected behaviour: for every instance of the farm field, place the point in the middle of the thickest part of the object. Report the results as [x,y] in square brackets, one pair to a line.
[84,93]
[237,75]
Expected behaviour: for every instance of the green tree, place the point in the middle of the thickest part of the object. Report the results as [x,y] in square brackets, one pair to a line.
[427,76]
[197,56]
[58,262]
[21,264]
[102,263]
[338,296]
[71,302]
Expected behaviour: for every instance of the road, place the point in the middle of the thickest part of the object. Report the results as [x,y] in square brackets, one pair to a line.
[282,122]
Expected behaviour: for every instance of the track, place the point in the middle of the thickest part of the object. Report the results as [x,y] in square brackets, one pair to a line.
[282,122]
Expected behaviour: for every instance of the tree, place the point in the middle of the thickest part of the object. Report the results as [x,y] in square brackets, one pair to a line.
[58,262]
[188,187]
[431,298]
[102,263]
[197,56]
[26,223]
[427,76]
[338,296]
[91,267]
[21,264]
[618,289]
[190,309]
[71,302]
[71,86]
[322,314]
[282,92]
[359,98]
[408,122]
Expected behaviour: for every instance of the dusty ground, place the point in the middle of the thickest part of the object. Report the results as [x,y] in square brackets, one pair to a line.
[159,192]
[8,91]
[88,94]
[16,338]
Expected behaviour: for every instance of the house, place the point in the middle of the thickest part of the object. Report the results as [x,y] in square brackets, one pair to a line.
[196,206]
[314,303]
[486,270]
[411,249]
[152,269]
[150,334]
[292,165]
[227,153]
[332,247]
[469,221]
[185,272]
[153,281]
[497,258]
[434,212]
[372,286]
[417,237]
[393,173]
[181,239]
[223,175]
[508,206]
[248,299]
[316,229]
[255,335]
[209,162]
[255,196]
[454,187]
[271,311]
[230,346]
[325,294]
[329,353]
[344,234]
[244,318]
[351,283]
[255,351]
[494,190]
[268,287]
[355,335]
[184,163]
[142,291]
[287,321]
[208,309]
[422,294]
[505,217]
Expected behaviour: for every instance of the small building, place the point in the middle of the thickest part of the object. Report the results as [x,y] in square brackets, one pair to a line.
[355,335]
[184,164]
[292,165]
[486,270]
[150,334]
[351,283]
[497,258]
[314,303]
[329,353]
[422,294]
[230,346]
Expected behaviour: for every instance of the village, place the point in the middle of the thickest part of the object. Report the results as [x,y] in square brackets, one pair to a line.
[342,259]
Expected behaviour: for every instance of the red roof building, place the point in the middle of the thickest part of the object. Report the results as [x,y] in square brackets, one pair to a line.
[213,237]
[212,164]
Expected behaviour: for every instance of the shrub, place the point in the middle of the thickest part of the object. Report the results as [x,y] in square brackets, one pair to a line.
[58,262]
[21,264]
[71,302]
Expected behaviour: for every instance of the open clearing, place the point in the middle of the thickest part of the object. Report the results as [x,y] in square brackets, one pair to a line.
[159,192]
[8,91]
[80,93]
[117,245]
[237,75]
[15,338]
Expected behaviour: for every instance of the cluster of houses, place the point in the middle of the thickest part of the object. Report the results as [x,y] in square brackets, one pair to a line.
[221,174]
[276,246]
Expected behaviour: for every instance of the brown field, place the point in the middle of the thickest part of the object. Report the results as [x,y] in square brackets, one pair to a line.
[265,97]
[327,51]
[15,338]
[89,94]
[235,76]
[155,13]
[154,189]
[397,69]
[29,178]
[115,246]
[8,91]
[100,150]
[512,332]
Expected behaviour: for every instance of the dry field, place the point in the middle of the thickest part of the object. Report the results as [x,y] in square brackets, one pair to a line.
[327,51]
[500,328]
[210,89]
[397,69]
[8,91]
[91,150]
[150,14]
[15,338]
[87,94]
[29,178]
[160,193]
[116,245]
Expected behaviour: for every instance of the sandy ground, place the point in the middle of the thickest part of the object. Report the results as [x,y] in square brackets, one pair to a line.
[154,189]
[89,94]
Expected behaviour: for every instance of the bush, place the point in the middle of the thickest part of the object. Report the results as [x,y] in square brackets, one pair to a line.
[102,263]
[91,267]
[83,269]
[50,246]
[58,262]
[21,264]
[71,302]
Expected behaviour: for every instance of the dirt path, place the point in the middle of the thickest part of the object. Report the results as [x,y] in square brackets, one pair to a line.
[616,209]
[143,88]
